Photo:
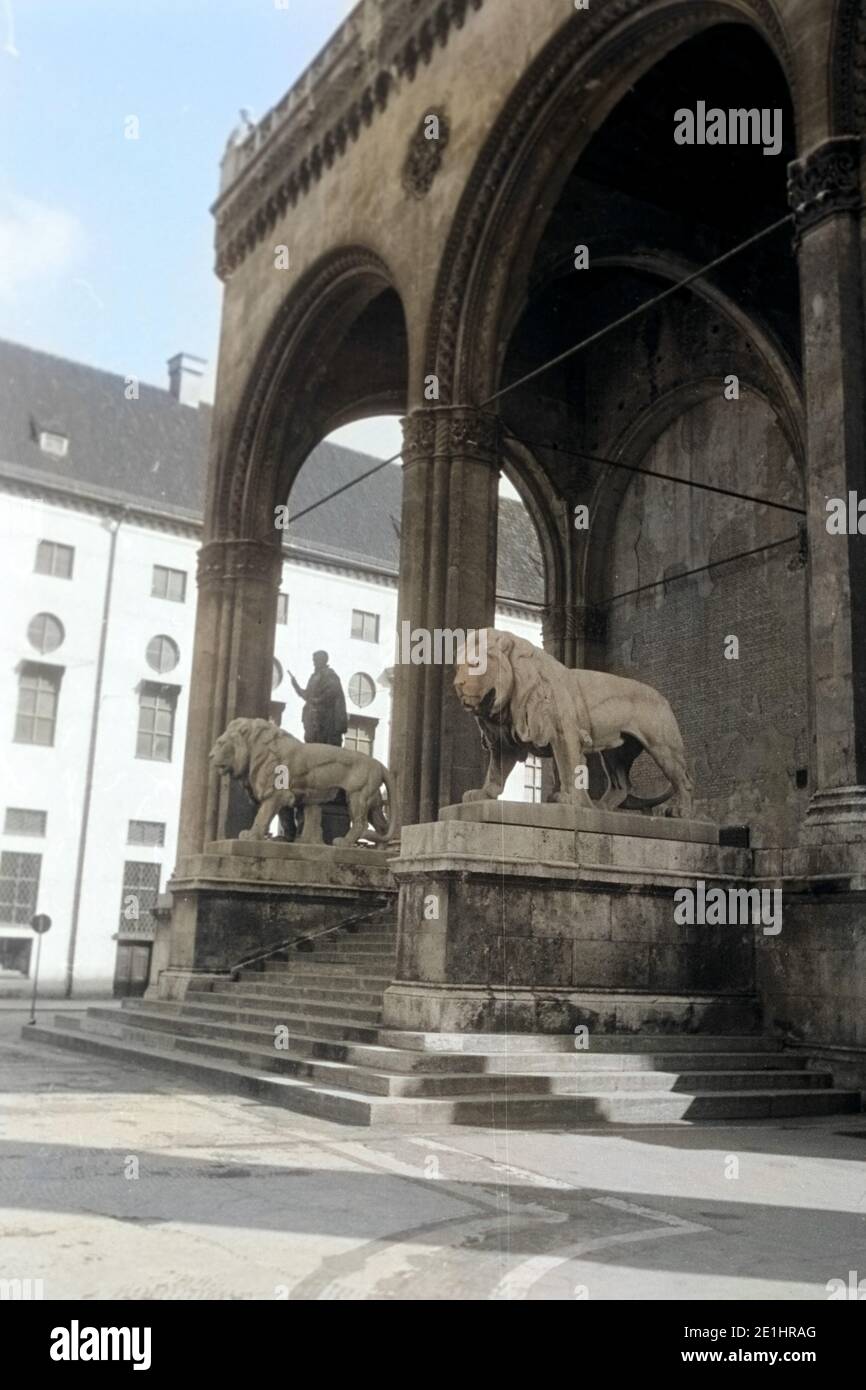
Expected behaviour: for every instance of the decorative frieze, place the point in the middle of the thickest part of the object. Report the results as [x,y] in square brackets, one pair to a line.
[296,143]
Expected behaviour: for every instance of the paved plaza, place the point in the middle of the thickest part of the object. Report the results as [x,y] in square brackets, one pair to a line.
[118,1184]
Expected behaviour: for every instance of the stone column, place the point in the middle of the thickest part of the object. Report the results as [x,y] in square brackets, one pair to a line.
[575,634]
[447,582]
[238,582]
[824,191]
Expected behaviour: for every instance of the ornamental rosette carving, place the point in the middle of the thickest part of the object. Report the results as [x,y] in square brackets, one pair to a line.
[425,153]
[825,182]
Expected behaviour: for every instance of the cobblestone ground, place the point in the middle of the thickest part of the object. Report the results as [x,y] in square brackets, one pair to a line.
[118,1184]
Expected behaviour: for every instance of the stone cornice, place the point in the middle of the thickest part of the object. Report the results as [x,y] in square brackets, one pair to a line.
[381,44]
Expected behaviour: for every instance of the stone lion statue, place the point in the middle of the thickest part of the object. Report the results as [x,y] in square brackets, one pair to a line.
[527,702]
[278,771]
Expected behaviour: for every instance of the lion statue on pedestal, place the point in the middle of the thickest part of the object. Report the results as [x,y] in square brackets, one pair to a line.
[527,702]
[278,771]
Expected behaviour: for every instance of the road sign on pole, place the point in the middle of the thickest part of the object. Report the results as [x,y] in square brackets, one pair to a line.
[41,923]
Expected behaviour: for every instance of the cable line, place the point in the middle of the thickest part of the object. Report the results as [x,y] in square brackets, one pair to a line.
[652,473]
[578,347]
[345,488]
[641,309]
[701,569]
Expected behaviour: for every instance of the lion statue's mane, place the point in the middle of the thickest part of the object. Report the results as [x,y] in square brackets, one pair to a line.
[526,702]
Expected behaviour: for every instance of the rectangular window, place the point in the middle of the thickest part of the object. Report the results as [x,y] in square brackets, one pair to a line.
[156,706]
[282,608]
[532,778]
[15,954]
[146,832]
[168,583]
[138,898]
[38,692]
[22,822]
[360,736]
[365,626]
[55,559]
[19,887]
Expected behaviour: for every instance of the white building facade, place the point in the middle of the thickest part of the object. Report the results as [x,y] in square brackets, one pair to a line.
[96,643]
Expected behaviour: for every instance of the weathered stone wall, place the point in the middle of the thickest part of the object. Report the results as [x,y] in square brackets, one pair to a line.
[744,721]
[812,980]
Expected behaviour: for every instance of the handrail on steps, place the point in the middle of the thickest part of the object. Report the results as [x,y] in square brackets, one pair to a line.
[309,936]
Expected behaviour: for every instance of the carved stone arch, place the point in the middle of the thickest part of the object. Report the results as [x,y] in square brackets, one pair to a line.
[846,72]
[782,384]
[276,425]
[632,447]
[574,84]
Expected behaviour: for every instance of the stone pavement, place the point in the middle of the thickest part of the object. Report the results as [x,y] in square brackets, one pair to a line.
[118,1184]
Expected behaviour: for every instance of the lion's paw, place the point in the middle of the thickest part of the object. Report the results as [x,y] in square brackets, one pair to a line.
[477,794]
[245,835]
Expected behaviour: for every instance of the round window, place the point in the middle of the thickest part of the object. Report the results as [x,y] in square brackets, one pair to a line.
[277,678]
[45,632]
[362,691]
[162,654]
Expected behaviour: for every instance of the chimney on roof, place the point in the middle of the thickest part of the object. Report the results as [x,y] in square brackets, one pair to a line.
[185,374]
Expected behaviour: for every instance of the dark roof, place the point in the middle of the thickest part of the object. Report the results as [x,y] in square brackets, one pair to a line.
[154,451]
[149,450]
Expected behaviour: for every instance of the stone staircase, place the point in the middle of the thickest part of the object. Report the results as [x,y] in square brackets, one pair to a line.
[304,1032]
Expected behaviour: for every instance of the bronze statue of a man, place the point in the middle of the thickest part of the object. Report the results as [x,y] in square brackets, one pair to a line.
[324,714]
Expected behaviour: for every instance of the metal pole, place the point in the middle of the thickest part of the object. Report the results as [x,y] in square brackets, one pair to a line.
[32,1018]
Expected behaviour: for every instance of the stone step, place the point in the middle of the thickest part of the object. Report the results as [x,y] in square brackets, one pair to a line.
[255,1048]
[350,949]
[333,976]
[293,1001]
[371,960]
[402,1061]
[565,1042]
[297,1021]
[514,1109]
[294,992]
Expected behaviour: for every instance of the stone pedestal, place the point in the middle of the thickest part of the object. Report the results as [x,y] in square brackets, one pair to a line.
[535,918]
[241,897]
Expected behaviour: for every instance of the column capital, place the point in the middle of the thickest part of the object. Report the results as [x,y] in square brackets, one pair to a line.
[419,435]
[223,561]
[825,182]
[561,621]
[452,430]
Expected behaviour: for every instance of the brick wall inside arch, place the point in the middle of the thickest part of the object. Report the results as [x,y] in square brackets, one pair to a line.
[744,721]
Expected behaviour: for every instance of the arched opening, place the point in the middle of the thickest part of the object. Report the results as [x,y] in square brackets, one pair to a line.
[340,573]
[705,387]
